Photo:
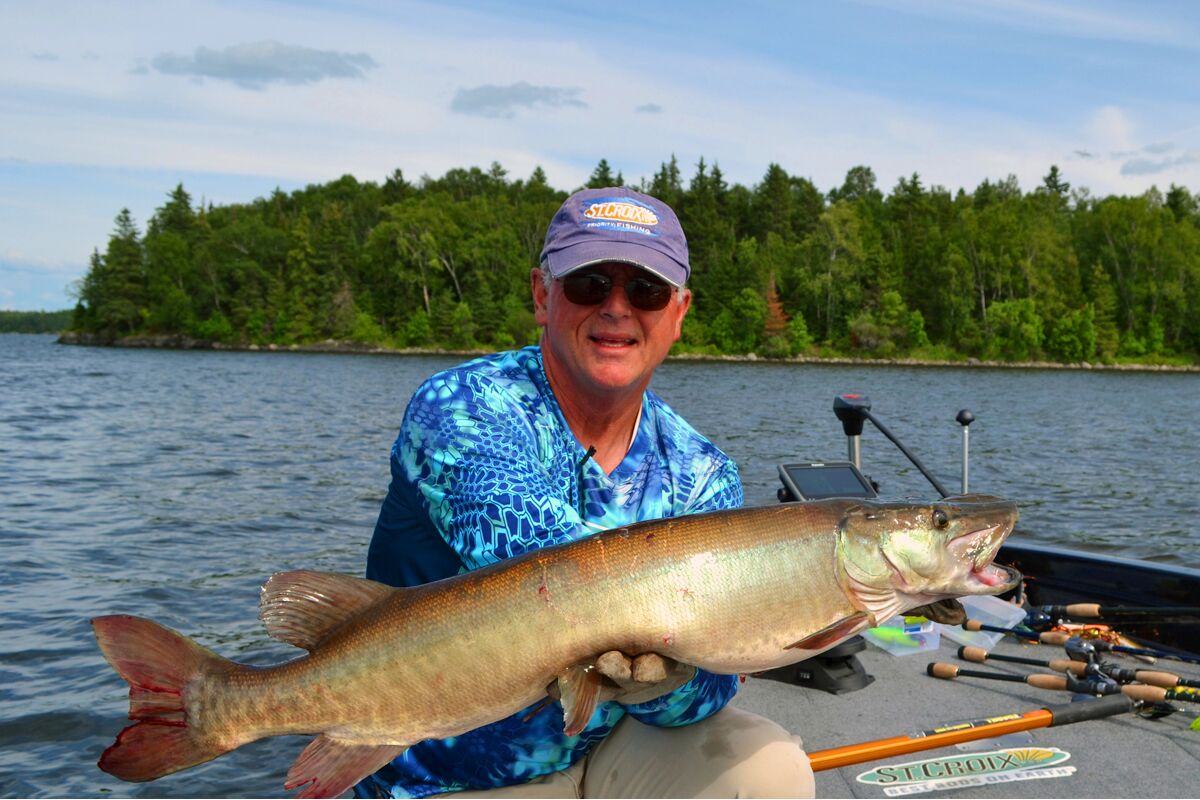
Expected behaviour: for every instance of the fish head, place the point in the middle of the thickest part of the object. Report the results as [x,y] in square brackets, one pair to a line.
[897,556]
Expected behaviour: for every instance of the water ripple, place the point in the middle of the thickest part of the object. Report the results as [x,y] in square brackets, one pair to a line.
[172,484]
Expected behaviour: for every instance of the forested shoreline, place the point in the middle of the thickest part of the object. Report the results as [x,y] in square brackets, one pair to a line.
[780,269]
[34,321]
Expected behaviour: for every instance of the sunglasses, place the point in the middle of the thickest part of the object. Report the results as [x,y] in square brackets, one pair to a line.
[592,288]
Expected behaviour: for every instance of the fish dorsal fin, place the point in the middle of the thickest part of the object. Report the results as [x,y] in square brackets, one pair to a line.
[328,766]
[833,633]
[301,607]
[579,690]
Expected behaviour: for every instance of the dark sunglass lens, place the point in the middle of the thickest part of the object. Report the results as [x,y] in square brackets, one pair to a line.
[587,289]
[648,295]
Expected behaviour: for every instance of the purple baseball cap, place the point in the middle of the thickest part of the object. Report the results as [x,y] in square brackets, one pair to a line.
[594,226]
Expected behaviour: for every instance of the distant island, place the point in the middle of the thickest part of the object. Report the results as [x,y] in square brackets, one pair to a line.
[35,321]
[781,270]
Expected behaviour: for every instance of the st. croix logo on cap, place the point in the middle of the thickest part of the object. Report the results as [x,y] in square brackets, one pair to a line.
[620,213]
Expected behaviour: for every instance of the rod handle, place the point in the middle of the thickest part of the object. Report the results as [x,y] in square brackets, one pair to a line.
[946,672]
[1146,694]
[1043,681]
[1067,665]
[1090,709]
[976,654]
[1163,679]
[1083,610]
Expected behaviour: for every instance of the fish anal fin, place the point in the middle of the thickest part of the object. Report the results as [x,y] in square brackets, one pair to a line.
[301,607]
[833,633]
[580,690]
[328,766]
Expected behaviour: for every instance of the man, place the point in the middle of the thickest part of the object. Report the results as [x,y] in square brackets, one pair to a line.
[520,450]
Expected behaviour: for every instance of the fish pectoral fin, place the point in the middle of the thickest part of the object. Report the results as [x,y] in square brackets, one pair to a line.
[880,602]
[832,634]
[328,766]
[581,690]
[301,607]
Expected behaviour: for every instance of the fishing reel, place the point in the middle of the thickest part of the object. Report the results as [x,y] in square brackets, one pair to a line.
[1094,682]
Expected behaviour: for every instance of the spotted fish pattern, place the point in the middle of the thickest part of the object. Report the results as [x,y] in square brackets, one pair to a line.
[485,468]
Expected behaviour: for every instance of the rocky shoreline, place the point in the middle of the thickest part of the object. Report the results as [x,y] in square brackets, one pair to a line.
[180,342]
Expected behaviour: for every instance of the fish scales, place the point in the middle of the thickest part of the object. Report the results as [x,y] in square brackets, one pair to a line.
[702,590]
[728,592]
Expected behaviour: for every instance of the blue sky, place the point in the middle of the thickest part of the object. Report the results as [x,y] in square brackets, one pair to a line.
[108,105]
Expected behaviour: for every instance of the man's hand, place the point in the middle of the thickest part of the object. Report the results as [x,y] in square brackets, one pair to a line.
[644,677]
[947,612]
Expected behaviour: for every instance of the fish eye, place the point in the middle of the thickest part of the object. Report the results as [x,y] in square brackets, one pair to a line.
[940,518]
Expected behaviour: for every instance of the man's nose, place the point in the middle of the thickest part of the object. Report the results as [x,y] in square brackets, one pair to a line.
[617,302]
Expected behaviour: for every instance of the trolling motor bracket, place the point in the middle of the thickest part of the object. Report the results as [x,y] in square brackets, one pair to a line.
[852,410]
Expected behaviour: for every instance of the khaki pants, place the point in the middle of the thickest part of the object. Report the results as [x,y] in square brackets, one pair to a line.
[731,754]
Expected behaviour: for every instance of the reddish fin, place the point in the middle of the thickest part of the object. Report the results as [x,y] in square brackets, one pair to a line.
[302,607]
[159,664]
[328,767]
[579,691]
[832,634]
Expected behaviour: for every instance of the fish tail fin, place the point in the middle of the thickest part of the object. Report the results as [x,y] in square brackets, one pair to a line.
[159,664]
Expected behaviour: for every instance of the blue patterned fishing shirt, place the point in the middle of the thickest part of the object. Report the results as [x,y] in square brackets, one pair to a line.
[485,468]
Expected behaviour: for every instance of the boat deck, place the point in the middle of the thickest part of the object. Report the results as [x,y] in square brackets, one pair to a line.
[1122,756]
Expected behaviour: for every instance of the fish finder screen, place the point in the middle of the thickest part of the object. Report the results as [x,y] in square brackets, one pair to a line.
[818,481]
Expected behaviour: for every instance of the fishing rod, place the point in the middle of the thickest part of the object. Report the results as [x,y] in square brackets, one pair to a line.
[1079,644]
[1119,674]
[1063,638]
[1045,637]
[1045,618]
[969,731]
[1097,611]
[1098,685]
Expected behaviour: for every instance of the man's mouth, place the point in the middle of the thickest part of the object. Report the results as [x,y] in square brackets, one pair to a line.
[608,340]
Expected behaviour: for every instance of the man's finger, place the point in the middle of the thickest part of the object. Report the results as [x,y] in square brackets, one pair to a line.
[649,668]
[616,665]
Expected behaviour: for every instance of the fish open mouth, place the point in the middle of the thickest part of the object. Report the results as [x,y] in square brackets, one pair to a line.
[994,575]
[978,548]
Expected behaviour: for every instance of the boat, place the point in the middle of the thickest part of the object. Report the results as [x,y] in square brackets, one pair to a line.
[878,723]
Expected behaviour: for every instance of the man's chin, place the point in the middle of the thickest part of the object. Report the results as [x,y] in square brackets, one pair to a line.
[617,371]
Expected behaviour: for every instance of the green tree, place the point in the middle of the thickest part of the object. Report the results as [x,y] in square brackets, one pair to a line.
[602,176]
[1016,330]
[116,292]
[1072,337]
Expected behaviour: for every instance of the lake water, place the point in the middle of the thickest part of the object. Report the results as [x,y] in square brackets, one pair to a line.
[171,484]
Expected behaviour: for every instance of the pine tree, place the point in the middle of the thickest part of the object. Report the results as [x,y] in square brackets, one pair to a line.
[602,176]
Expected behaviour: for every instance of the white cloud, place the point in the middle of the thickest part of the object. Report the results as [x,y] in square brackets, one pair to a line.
[559,97]
[254,65]
[1146,166]
[504,101]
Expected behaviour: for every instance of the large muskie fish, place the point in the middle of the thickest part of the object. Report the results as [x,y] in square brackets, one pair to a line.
[729,591]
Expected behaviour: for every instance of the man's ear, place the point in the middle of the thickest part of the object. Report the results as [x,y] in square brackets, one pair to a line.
[682,306]
[541,295]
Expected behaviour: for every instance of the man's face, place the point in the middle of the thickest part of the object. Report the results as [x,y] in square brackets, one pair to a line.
[608,347]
